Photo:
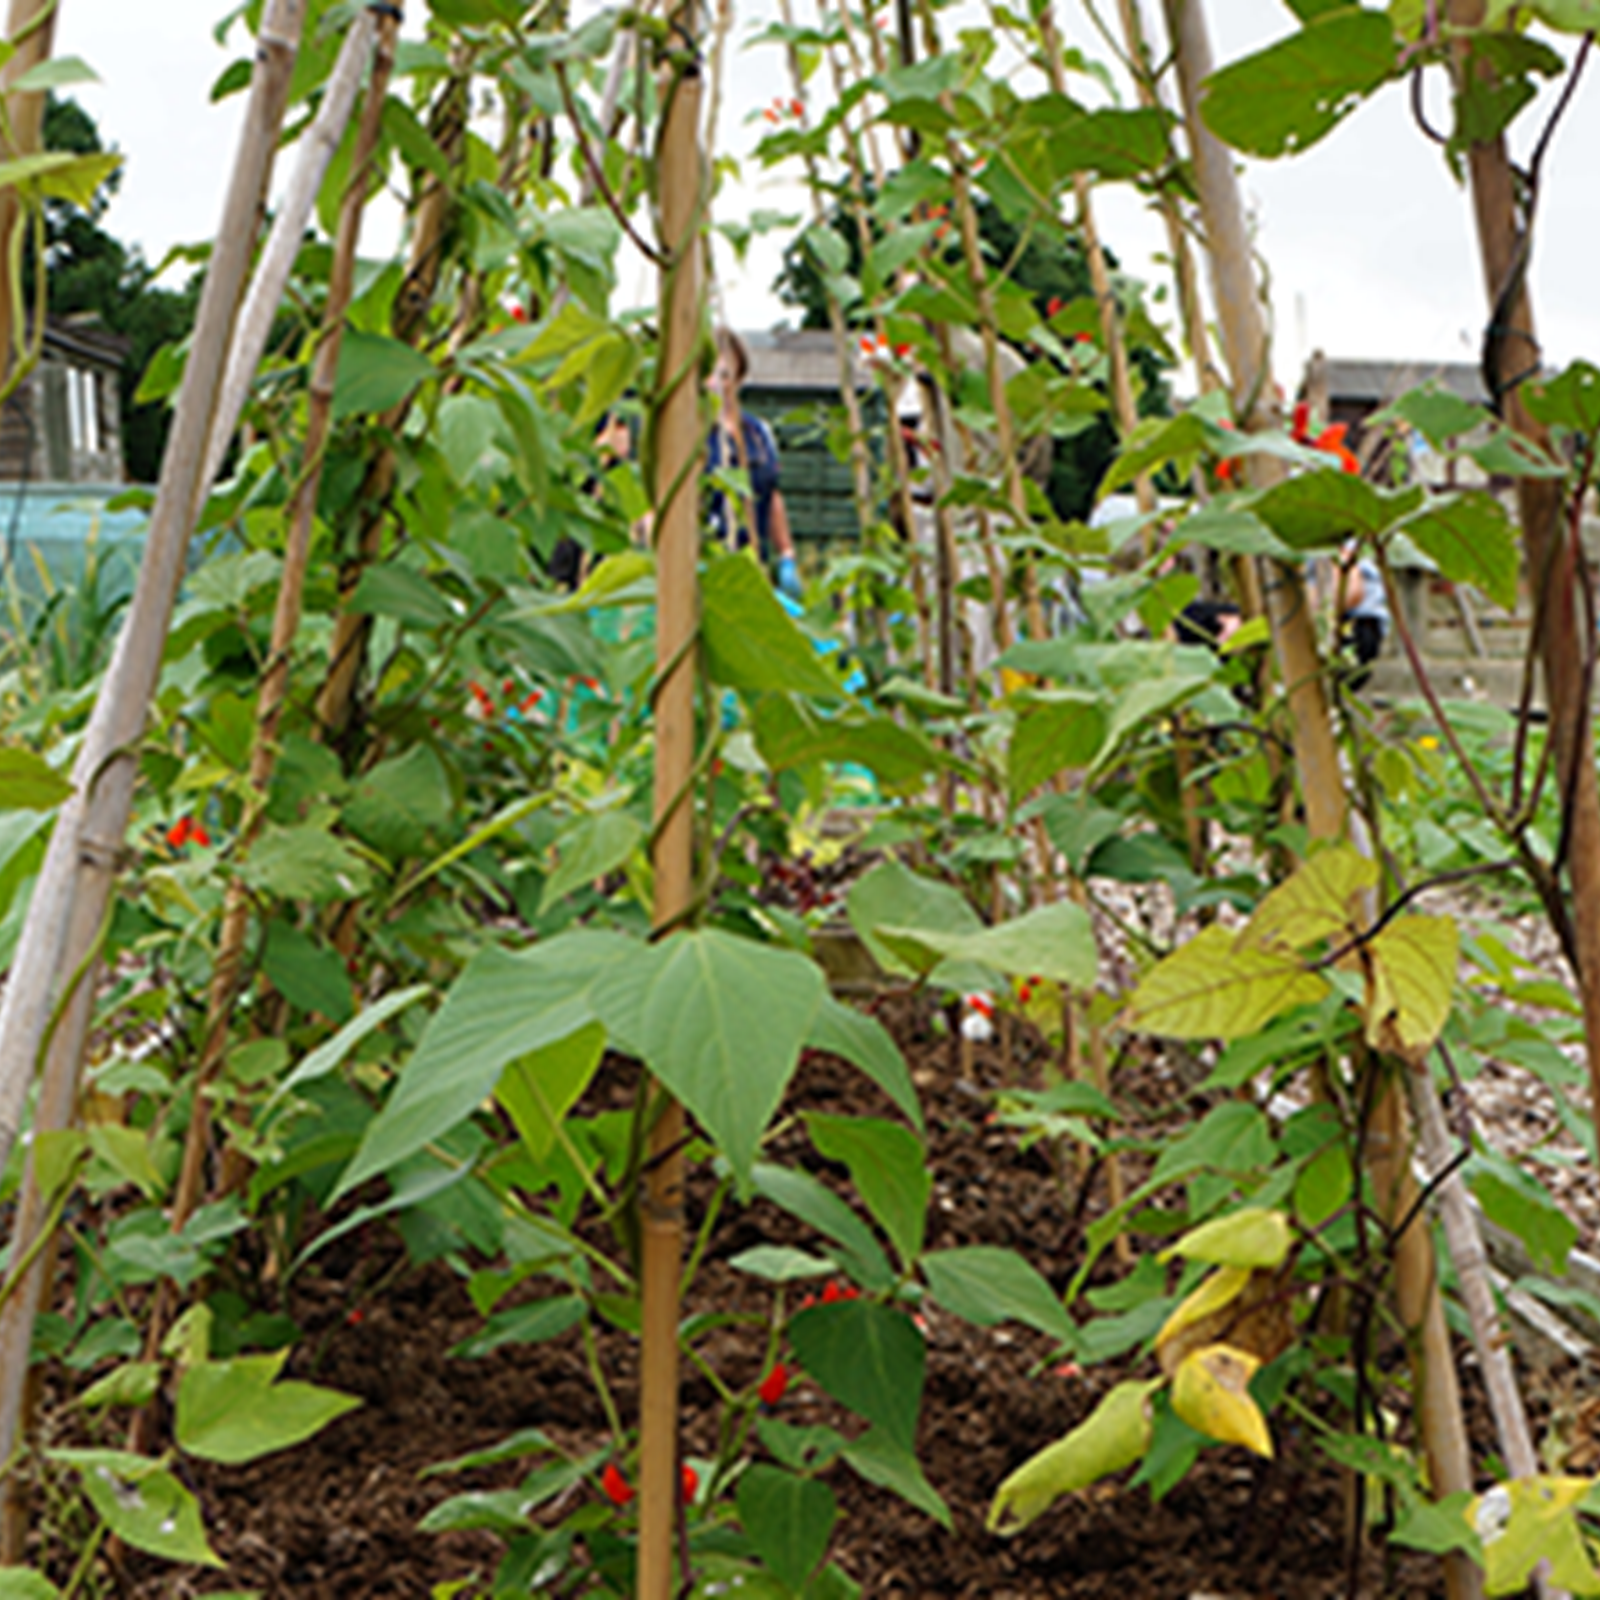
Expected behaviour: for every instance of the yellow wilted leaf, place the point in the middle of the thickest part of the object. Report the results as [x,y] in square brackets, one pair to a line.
[1531,1520]
[1219,1290]
[1411,978]
[1115,1435]
[1253,1237]
[1245,1308]
[1211,988]
[1320,901]
[1211,1392]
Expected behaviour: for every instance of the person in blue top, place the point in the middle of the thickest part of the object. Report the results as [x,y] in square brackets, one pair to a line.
[745,443]
[1362,610]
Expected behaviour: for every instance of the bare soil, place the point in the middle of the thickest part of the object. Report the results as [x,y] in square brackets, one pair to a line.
[337,1519]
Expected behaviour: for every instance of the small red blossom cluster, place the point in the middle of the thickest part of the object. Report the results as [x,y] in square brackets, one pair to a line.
[782,110]
[832,1293]
[187,830]
[1026,988]
[621,1493]
[1330,440]
[876,347]
[775,1385]
[1229,468]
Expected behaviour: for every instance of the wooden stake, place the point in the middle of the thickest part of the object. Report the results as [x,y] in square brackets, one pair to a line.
[274,687]
[1244,339]
[67,914]
[860,460]
[315,151]
[1437,1396]
[676,458]
[424,264]
[1514,355]
[899,462]
[1490,1338]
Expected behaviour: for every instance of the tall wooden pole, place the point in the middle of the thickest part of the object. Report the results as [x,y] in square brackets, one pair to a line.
[676,459]
[1243,333]
[860,459]
[424,266]
[72,895]
[314,153]
[1246,349]
[274,689]
[1191,310]
[31,27]
[1550,554]
[856,146]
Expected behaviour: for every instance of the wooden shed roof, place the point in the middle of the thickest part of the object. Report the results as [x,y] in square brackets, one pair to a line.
[1378,382]
[86,342]
[802,361]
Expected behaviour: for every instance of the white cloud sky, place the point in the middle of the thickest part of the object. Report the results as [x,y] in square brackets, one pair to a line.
[1368,238]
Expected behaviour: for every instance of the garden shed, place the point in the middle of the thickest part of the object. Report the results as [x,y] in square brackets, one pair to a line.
[794,385]
[61,469]
[63,423]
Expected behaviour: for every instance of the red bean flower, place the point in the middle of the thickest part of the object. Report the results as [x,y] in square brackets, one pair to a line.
[774,1385]
[617,1488]
[688,1483]
[1331,442]
[186,831]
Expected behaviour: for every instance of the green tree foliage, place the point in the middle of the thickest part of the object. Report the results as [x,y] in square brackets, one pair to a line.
[1054,269]
[94,273]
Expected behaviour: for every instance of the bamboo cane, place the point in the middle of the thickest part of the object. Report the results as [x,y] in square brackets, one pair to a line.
[31,28]
[1245,347]
[860,461]
[945,558]
[286,617]
[1127,414]
[1465,1239]
[1246,578]
[68,911]
[1191,311]
[1513,355]
[1244,339]
[1122,400]
[899,463]
[1437,1395]
[424,264]
[1004,423]
[315,151]
[677,464]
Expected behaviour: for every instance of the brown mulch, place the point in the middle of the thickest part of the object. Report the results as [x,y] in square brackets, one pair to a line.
[338,1517]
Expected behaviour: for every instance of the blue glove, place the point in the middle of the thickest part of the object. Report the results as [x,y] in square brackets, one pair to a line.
[788,577]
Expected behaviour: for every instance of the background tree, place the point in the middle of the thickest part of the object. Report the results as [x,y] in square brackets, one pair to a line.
[93,272]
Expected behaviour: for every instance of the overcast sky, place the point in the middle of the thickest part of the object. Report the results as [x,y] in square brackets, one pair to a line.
[1367,238]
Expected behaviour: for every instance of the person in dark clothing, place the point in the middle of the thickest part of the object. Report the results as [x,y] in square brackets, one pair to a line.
[1206,622]
[739,440]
